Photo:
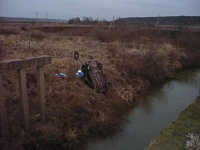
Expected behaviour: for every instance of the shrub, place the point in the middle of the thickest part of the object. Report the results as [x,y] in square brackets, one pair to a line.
[24,28]
[38,35]
[103,34]
[153,62]
[189,40]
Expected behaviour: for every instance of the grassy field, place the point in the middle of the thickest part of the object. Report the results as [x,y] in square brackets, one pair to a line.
[133,58]
[175,136]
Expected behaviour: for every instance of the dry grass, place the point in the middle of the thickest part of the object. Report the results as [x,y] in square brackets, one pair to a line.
[6,30]
[1,52]
[38,35]
[131,61]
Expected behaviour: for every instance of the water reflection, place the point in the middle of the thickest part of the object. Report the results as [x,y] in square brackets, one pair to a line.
[191,77]
[155,112]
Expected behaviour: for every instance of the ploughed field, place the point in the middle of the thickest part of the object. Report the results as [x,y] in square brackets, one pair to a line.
[133,58]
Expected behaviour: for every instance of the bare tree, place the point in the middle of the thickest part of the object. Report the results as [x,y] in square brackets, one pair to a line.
[74,21]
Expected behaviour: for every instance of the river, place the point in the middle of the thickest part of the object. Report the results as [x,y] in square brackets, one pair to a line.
[156,111]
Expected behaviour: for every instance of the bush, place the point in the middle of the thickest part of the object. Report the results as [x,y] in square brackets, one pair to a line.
[38,35]
[190,41]
[24,28]
[105,35]
[153,62]
[101,33]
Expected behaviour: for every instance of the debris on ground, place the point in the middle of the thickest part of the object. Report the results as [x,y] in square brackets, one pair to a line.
[62,75]
[76,55]
[193,143]
[80,73]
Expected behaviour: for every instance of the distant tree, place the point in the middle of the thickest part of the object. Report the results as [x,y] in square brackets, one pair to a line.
[87,20]
[104,21]
[74,20]
[96,21]
[91,19]
[122,24]
[183,23]
[71,21]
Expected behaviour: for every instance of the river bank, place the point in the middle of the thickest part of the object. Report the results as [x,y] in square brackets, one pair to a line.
[175,136]
[156,110]
[76,113]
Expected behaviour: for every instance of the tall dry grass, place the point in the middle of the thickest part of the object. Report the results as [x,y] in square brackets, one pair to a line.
[186,38]
[38,35]
[1,53]
[132,60]
[74,111]
[153,62]
[6,30]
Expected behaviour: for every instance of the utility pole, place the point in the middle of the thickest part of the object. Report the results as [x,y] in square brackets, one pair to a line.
[47,18]
[36,15]
[157,21]
[36,20]
[112,23]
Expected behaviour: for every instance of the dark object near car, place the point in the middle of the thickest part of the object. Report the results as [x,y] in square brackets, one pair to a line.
[93,76]
[76,55]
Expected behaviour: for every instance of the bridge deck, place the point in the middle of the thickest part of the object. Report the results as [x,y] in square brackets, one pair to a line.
[15,64]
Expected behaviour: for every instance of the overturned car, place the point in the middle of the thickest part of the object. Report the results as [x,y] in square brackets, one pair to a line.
[93,76]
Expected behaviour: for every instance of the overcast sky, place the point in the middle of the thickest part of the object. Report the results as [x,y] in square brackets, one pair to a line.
[103,9]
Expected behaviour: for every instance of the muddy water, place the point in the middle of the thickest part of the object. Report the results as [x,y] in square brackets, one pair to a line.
[156,111]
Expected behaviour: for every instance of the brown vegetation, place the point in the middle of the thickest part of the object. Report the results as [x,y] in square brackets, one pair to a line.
[6,30]
[133,59]
[38,35]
